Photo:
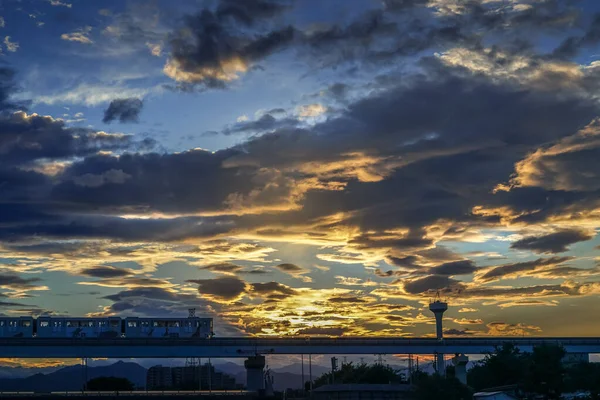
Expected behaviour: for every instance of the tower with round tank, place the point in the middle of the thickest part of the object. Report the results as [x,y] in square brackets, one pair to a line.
[438,307]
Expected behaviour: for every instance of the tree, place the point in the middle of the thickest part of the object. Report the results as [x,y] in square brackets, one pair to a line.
[110,383]
[546,372]
[505,366]
[584,376]
[361,373]
[435,387]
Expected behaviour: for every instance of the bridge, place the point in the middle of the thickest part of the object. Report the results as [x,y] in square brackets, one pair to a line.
[245,347]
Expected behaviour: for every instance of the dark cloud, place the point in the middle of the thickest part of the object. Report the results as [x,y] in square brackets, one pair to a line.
[346,300]
[457,332]
[249,11]
[10,304]
[125,110]
[106,272]
[25,138]
[557,242]
[337,331]
[463,267]
[223,267]
[512,270]
[427,284]
[210,51]
[273,288]
[16,282]
[571,46]
[226,288]
[254,272]
[291,268]
[338,90]
[409,262]
[154,293]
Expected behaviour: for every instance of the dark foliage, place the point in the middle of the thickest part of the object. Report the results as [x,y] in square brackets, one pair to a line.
[542,372]
[110,383]
[435,387]
[361,373]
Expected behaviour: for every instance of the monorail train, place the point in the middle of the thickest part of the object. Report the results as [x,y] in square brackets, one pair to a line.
[108,327]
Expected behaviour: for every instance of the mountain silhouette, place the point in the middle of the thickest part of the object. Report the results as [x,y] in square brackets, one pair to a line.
[71,378]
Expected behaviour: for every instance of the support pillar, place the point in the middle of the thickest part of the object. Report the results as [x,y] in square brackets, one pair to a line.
[440,364]
[84,373]
[460,367]
[254,373]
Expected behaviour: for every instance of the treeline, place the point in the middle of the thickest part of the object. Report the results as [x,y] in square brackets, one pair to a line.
[541,372]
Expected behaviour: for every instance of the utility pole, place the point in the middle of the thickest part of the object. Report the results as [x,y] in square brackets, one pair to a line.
[310,373]
[209,376]
[333,369]
[303,381]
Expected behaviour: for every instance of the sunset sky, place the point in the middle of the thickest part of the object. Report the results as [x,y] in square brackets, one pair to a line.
[303,167]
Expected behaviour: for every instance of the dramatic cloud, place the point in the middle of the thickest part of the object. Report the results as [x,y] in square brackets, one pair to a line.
[125,110]
[556,242]
[212,51]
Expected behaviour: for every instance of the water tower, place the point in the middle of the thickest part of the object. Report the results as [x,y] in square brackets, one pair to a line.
[438,308]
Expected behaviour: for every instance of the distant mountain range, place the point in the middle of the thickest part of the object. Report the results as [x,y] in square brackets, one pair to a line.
[51,379]
[71,378]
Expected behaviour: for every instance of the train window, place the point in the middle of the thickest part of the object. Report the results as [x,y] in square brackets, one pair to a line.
[71,324]
[1,323]
[13,323]
[145,324]
[26,323]
[57,324]
[174,324]
[114,323]
[160,324]
[91,324]
[101,324]
[131,324]
[44,324]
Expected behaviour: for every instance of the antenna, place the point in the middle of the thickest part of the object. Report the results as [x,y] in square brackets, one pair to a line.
[191,313]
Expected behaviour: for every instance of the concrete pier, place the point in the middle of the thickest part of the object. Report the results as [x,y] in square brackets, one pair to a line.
[460,367]
[255,379]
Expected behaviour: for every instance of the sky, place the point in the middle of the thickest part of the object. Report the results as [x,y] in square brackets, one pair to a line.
[303,167]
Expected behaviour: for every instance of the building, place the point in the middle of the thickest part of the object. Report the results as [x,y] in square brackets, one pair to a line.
[159,377]
[363,391]
[189,378]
